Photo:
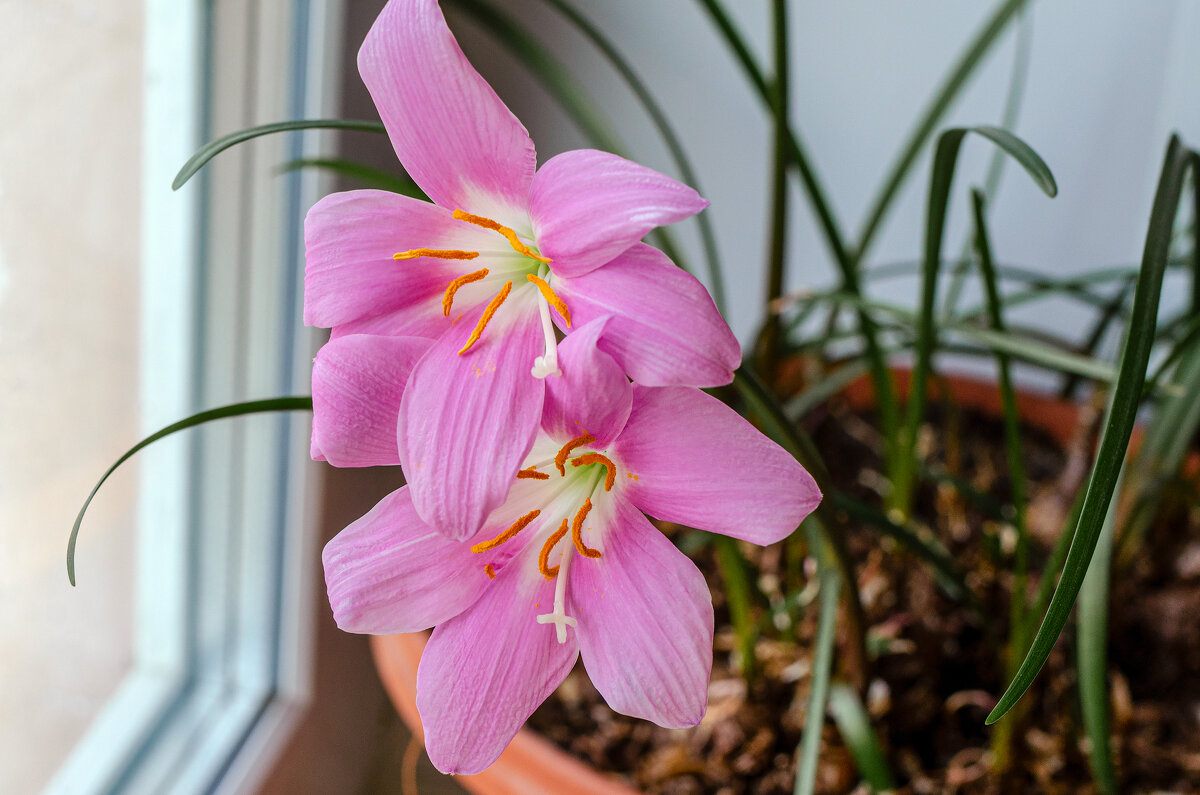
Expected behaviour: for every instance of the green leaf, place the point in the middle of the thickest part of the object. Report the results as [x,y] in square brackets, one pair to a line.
[234,410]
[366,175]
[954,83]
[214,148]
[855,727]
[1118,424]
[1012,421]
[737,593]
[945,159]
[1092,655]
[822,666]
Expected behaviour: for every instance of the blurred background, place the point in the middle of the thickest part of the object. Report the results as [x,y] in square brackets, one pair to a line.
[197,651]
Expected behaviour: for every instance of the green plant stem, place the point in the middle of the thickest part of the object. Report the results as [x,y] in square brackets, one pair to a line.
[737,594]
[769,339]
[822,666]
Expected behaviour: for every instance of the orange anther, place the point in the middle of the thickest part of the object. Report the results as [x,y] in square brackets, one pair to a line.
[551,297]
[596,458]
[436,253]
[487,315]
[452,288]
[490,571]
[509,235]
[544,556]
[531,473]
[560,459]
[517,526]
[577,531]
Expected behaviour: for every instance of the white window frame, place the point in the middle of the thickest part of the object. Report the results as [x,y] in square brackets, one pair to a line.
[223,645]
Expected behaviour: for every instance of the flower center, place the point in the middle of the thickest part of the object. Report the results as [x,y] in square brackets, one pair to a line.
[535,275]
[589,470]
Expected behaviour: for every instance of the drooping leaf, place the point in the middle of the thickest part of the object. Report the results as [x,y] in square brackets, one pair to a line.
[234,410]
[215,147]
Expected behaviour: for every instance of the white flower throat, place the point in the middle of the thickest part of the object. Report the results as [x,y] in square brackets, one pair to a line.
[505,269]
[581,475]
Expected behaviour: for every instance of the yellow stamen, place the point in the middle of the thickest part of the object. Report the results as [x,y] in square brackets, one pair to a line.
[489,571]
[596,458]
[560,459]
[452,288]
[517,526]
[577,531]
[487,315]
[436,253]
[531,473]
[544,557]
[509,235]
[551,297]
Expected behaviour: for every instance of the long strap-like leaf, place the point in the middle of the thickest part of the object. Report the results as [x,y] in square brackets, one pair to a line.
[234,410]
[1118,423]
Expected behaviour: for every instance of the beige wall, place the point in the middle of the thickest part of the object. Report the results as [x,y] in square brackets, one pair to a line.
[70,128]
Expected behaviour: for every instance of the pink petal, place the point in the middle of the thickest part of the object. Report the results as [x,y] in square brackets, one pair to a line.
[453,135]
[693,460]
[349,240]
[466,422]
[592,395]
[357,385]
[589,206]
[645,621]
[389,572]
[485,671]
[664,329]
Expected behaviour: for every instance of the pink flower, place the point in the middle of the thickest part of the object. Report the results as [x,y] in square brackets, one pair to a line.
[568,565]
[487,270]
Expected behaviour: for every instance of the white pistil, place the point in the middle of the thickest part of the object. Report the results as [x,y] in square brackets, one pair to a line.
[547,364]
[559,617]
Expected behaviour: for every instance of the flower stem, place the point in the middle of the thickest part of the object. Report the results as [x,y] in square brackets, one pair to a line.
[769,339]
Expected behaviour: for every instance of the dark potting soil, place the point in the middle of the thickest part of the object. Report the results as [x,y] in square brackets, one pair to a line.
[935,669]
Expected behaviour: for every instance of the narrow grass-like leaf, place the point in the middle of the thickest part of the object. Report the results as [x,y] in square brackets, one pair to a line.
[1012,422]
[845,374]
[234,410]
[855,727]
[945,159]
[1118,424]
[1091,634]
[666,131]
[822,664]
[738,596]
[933,114]
[365,175]
[215,147]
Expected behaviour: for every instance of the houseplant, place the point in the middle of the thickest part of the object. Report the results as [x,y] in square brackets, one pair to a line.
[881,331]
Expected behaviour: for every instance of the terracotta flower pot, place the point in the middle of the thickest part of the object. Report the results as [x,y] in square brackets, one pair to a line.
[532,765]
